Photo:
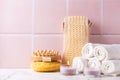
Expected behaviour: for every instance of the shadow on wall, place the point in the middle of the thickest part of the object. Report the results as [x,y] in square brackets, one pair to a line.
[95,29]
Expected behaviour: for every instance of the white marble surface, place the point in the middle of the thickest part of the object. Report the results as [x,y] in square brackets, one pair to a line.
[28,74]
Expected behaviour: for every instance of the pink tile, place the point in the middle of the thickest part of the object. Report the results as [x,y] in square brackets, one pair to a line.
[106,39]
[49,15]
[54,42]
[89,8]
[15,16]
[111,19]
[15,51]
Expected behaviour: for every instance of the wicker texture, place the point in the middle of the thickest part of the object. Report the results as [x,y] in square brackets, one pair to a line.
[76,34]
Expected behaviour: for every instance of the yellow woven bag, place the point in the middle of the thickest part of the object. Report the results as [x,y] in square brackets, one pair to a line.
[76,35]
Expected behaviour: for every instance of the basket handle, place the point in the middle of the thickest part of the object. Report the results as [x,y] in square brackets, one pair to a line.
[63,23]
[89,23]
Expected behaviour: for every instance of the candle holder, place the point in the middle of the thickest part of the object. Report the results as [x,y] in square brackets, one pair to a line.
[67,70]
[90,72]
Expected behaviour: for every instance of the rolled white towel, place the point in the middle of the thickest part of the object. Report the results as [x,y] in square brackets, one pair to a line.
[94,63]
[87,50]
[79,63]
[105,52]
[111,67]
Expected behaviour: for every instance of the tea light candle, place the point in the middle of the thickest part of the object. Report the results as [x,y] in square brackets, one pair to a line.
[67,70]
[91,72]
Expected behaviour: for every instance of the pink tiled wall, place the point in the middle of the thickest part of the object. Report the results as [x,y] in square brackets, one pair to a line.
[28,25]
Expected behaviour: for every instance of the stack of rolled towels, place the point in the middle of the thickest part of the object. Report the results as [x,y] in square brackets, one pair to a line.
[105,57]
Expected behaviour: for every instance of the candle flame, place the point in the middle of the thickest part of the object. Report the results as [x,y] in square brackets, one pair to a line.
[68,63]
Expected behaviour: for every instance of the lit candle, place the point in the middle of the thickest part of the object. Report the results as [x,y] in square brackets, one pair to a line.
[67,69]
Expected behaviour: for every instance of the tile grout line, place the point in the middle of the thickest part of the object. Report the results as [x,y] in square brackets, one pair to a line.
[33,6]
[101,15]
[105,35]
[33,35]
[15,34]
[48,35]
[67,7]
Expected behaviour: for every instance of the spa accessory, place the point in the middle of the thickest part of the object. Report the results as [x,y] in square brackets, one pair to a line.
[76,35]
[90,72]
[46,61]
[87,50]
[106,52]
[79,63]
[45,66]
[94,63]
[46,56]
[67,69]
[111,67]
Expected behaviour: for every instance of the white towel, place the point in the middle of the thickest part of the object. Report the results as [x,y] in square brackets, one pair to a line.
[111,67]
[79,63]
[94,63]
[105,52]
[87,50]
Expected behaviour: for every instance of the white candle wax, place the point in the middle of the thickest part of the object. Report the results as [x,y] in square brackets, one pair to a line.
[67,70]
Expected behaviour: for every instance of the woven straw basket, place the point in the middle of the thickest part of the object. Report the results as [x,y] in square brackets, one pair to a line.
[76,35]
